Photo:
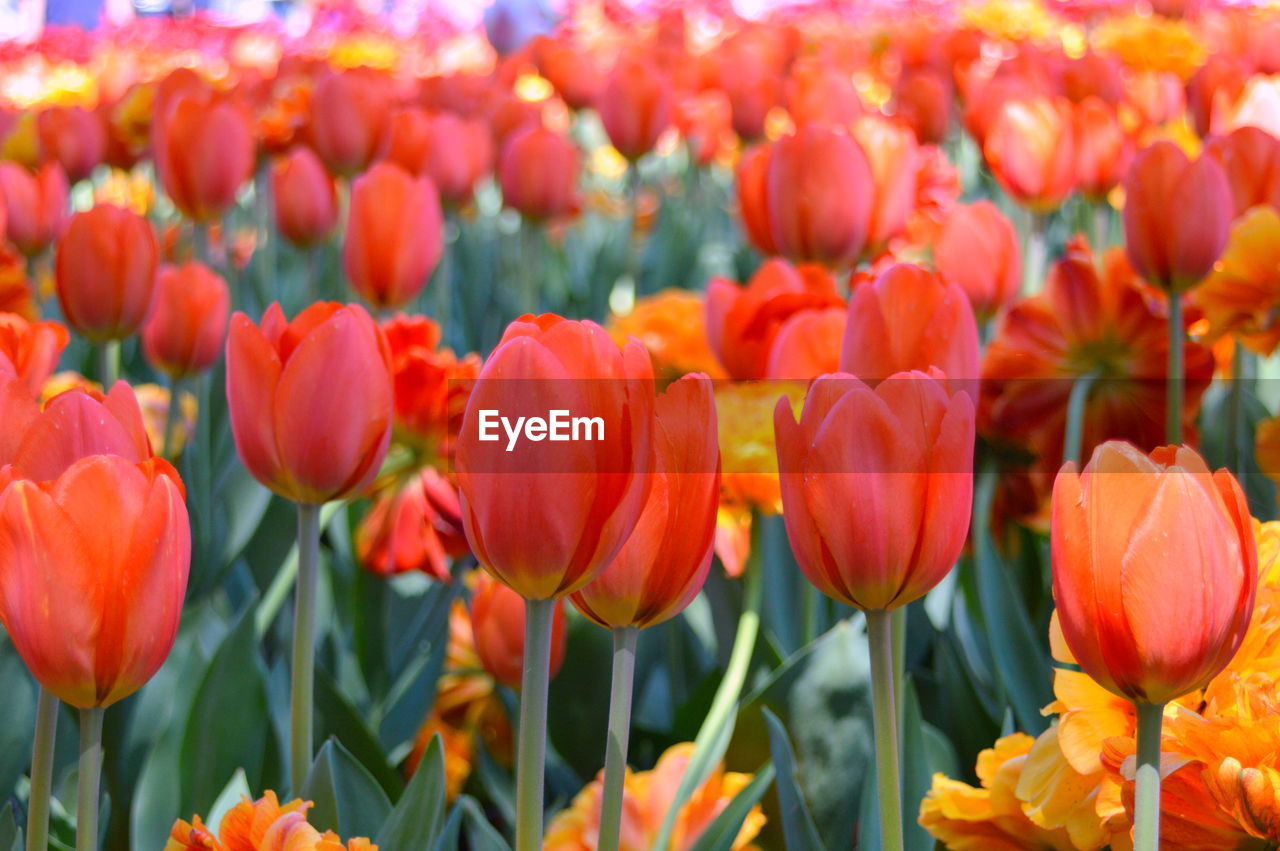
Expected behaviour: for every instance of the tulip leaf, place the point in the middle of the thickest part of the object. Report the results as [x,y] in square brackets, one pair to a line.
[721,833]
[336,717]
[348,800]
[235,791]
[797,822]
[924,752]
[481,836]
[418,815]
[10,833]
[19,717]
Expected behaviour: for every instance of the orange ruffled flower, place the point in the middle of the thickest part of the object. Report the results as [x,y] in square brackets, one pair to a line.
[1242,294]
[646,797]
[672,326]
[261,825]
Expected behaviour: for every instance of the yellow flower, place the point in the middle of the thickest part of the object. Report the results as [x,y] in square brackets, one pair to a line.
[154,402]
[1151,43]
[672,326]
[1242,294]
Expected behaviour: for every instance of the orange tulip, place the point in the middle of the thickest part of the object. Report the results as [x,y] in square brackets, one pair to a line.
[106,272]
[203,148]
[414,527]
[893,155]
[306,445]
[876,485]
[30,350]
[817,92]
[978,250]
[395,234]
[664,563]
[96,565]
[349,112]
[497,622]
[907,319]
[35,205]
[42,444]
[74,138]
[538,171]
[635,106]
[808,344]
[1250,159]
[1102,148]
[571,69]
[1177,216]
[751,179]
[752,83]
[454,152]
[1218,82]
[1031,151]
[1154,569]
[304,198]
[546,519]
[431,384]
[924,105]
[744,322]
[819,196]
[188,322]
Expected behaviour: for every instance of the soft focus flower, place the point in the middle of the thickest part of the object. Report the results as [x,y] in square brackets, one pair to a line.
[303,197]
[538,171]
[154,401]
[106,271]
[647,795]
[635,106]
[1154,569]
[497,622]
[924,104]
[310,446]
[893,154]
[413,526]
[877,485]
[1250,159]
[1030,148]
[571,68]
[817,92]
[204,152]
[1258,106]
[431,384]
[1242,293]
[73,137]
[454,152]
[183,334]
[35,205]
[978,250]
[751,179]
[672,326]
[1102,148]
[30,350]
[394,235]
[349,111]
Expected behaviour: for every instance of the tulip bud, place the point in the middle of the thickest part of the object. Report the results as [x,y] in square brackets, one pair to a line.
[924,105]
[304,198]
[188,322]
[497,622]
[819,93]
[1102,149]
[893,155]
[1154,569]
[1177,216]
[204,152]
[978,250]
[908,319]
[635,106]
[538,171]
[394,235]
[73,137]
[35,205]
[349,111]
[454,152]
[106,272]
[1250,159]
[876,485]
[664,562]
[547,518]
[753,202]
[570,68]
[30,350]
[1030,149]
[307,446]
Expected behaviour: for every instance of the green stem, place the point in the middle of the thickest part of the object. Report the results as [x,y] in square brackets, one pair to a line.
[615,755]
[1146,819]
[1101,226]
[42,772]
[885,718]
[810,615]
[90,777]
[1173,398]
[1036,254]
[1235,415]
[200,247]
[171,419]
[109,363]
[899,643]
[278,591]
[302,691]
[531,756]
[1073,438]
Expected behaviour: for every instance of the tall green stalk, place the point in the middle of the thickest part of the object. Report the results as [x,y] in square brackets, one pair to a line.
[615,754]
[1173,398]
[302,684]
[531,754]
[1076,403]
[1146,818]
[41,772]
[885,718]
[89,780]
[109,363]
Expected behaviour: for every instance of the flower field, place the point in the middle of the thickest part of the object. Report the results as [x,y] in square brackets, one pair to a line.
[638,427]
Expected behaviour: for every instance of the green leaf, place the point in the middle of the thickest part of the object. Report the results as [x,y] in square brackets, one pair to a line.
[418,815]
[924,752]
[797,822]
[337,718]
[19,717]
[227,727]
[10,833]
[481,836]
[236,790]
[348,800]
[721,833]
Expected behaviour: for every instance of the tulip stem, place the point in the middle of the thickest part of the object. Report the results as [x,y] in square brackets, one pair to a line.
[304,645]
[1146,820]
[1173,397]
[615,754]
[899,638]
[1036,254]
[1101,226]
[885,720]
[109,363]
[41,772]
[90,776]
[532,746]
[171,420]
[1072,440]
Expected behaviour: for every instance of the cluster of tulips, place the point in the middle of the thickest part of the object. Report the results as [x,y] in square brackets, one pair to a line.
[897,354]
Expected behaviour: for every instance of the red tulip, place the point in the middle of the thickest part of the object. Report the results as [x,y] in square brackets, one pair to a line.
[454,152]
[635,106]
[106,272]
[819,93]
[1177,216]
[808,344]
[907,319]
[304,198]
[1154,569]
[819,194]
[188,322]
[95,573]
[571,70]
[414,527]
[752,84]
[893,155]
[30,350]
[664,563]
[1250,159]
[978,250]
[1219,81]
[1030,149]
[1102,149]
[876,485]
[753,202]
[35,205]
[924,105]
[73,137]
[395,233]
[497,623]
[538,170]
[547,518]
[349,111]
[42,444]
[431,384]
[203,148]
[310,400]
